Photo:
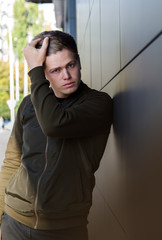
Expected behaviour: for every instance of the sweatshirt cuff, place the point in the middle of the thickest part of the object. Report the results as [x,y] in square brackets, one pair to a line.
[37,74]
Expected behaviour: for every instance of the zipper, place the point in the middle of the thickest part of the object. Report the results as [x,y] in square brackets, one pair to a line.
[38,186]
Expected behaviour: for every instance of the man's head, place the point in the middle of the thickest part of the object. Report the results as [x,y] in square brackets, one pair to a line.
[62,63]
[57,42]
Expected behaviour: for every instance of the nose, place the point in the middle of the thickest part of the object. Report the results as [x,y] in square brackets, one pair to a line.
[66,74]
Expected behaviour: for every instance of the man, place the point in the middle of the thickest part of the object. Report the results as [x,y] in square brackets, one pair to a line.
[56,145]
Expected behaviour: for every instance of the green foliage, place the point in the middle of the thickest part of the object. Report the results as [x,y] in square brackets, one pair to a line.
[28,22]
[4,73]
[5,88]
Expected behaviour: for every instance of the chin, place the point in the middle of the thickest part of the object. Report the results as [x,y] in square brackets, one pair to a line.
[70,91]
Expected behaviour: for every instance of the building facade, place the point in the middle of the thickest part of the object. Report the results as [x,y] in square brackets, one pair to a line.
[120,44]
[6,24]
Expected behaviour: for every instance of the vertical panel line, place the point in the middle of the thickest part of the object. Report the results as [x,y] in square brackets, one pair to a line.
[120,31]
[100,42]
[86,26]
[90,48]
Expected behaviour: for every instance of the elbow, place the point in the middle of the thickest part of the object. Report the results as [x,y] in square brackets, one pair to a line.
[51,131]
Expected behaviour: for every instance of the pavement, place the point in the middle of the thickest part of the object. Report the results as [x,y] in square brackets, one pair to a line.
[4,136]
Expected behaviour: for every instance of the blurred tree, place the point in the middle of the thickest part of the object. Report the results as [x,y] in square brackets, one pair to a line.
[28,21]
[5,88]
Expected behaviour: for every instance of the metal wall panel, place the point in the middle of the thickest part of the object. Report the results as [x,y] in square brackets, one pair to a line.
[130,174]
[110,47]
[105,225]
[127,198]
[85,57]
[95,45]
[91,3]
[83,38]
[140,22]
[82,10]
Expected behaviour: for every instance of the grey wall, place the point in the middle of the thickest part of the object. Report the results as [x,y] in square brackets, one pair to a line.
[120,44]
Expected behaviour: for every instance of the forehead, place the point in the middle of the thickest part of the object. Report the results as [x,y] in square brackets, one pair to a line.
[59,59]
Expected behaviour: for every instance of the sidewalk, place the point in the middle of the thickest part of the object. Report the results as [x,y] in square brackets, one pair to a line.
[4,136]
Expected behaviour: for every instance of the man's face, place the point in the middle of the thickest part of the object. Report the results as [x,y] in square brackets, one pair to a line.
[62,70]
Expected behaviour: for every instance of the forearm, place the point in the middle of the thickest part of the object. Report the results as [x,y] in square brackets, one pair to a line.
[92,115]
[11,164]
[12,158]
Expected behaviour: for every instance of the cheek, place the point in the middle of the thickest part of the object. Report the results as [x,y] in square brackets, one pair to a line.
[76,73]
[48,77]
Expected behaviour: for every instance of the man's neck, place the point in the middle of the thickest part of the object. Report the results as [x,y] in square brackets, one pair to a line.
[60,100]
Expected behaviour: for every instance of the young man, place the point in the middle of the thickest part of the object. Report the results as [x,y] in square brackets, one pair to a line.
[56,145]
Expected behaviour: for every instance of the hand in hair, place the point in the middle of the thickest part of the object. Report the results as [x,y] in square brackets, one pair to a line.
[35,57]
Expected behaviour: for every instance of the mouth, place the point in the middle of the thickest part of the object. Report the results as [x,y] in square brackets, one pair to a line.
[70,84]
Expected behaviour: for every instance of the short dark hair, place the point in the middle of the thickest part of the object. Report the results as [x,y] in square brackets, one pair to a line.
[58,40]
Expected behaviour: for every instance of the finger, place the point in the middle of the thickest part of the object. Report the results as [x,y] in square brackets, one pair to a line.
[45,43]
[33,43]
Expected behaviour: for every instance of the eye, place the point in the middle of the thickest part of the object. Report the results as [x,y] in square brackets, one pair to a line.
[57,70]
[71,65]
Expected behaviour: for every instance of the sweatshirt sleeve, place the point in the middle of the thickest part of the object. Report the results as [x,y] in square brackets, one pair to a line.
[91,116]
[12,159]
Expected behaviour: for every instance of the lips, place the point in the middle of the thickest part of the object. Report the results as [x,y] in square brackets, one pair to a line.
[69,84]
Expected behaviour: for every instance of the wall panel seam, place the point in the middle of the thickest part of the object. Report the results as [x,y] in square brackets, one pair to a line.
[100,42]
[86,26]
[110,209]
[120,33]
[141,51]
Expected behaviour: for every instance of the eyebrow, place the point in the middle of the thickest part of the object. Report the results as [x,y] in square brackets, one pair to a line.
[52,69]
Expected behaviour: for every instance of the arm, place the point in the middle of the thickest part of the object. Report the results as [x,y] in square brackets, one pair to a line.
[12,159]
[92,116]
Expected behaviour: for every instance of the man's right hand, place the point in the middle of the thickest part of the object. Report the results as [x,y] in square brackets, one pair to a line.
[35,57]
